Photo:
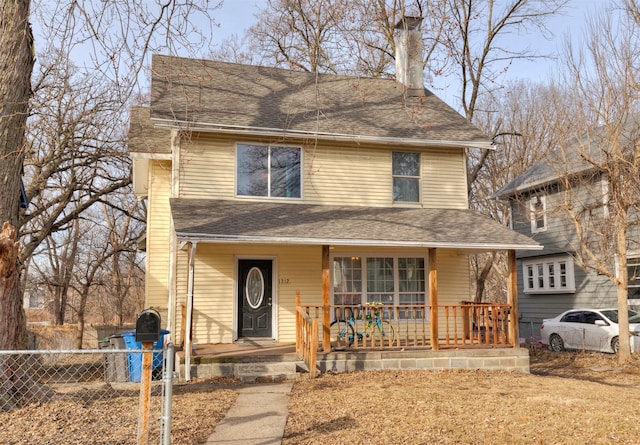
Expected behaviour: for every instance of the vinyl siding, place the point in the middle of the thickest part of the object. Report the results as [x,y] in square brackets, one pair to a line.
[592,290]
[158,235]
[333,174]
[215,286]
[297,268]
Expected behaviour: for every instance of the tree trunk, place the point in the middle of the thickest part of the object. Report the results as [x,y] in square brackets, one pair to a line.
[13,331]
[481,279]
[16,66]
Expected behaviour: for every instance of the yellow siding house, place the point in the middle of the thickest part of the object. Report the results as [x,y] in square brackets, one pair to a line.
[263,183]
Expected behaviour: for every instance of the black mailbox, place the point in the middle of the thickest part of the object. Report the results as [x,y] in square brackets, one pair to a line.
[148,326]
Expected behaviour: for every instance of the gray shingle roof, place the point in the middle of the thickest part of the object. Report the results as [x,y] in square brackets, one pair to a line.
[201,93]
[143,137]
[570,159]
[249,221]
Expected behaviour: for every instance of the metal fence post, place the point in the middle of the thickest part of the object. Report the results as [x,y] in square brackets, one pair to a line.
[167,377]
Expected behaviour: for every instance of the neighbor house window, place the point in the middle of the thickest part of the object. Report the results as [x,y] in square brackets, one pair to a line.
[537,213]
[406,177]
[268,170]
[390,280]
[633,287]
[549,275]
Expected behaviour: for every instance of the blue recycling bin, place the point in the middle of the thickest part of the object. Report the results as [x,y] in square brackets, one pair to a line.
[135,359]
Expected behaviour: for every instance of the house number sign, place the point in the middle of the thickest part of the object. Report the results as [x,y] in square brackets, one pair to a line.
[284,281]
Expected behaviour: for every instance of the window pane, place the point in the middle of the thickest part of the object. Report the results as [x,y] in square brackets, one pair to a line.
[380,280]
[347,280]
[411,275]
[552,275]
[406,164]
[563,274]
[406,189]
[285,172]
[252,170]
[541,276]
[529,277]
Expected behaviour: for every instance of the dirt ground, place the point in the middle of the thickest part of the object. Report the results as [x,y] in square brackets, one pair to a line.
[569,398]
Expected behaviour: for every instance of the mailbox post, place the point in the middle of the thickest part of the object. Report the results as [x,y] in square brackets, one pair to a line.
[147,332]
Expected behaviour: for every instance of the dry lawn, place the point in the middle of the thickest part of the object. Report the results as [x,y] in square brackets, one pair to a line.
[570,398]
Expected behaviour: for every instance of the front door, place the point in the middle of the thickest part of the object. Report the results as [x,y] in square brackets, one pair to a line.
[254,298]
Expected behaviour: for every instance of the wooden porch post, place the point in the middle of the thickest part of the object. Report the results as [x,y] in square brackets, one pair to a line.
[433,298]
[514,326]
[326,303]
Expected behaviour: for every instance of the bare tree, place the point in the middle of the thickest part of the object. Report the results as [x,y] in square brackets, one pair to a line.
[16,60]
[112,39]
[518,117]
[600,150]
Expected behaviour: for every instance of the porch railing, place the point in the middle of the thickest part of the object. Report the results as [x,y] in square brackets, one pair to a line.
[306,336]
[478,325]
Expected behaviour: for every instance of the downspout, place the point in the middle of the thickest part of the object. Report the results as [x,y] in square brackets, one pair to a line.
[188,327]
[173,242]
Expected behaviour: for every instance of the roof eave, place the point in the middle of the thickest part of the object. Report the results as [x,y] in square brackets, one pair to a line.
[278,132]
[234,239]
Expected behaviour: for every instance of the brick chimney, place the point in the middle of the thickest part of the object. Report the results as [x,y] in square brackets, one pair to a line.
[409,49]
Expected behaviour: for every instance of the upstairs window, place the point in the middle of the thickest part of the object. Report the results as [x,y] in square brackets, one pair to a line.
[268,170]
[537,213]
[406,177]
[549,275]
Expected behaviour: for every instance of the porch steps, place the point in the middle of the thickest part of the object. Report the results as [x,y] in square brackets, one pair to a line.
[251,368]
[261,372]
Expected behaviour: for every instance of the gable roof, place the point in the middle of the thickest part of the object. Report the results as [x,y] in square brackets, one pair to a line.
[208,220]
[229,97]
[569,160]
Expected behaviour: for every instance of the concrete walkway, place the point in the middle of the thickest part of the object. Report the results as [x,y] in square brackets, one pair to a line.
[257,418]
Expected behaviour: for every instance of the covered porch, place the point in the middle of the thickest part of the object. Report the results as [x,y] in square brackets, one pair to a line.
[440,239]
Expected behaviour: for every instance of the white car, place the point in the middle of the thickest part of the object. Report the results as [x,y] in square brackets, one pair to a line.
[593,329]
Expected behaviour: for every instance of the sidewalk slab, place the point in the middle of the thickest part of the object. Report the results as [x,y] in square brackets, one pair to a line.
[258,416]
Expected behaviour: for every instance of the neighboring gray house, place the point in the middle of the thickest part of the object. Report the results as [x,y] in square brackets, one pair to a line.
[551,280]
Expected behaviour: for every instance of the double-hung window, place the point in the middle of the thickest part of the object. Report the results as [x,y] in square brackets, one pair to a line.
[389,280]
[549,275]
[537,213]
[406,176]
[268,170]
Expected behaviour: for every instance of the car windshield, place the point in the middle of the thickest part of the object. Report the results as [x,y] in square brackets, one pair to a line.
[634,317]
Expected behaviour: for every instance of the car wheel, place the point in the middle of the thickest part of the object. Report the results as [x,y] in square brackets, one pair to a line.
[555,343]
[615,344]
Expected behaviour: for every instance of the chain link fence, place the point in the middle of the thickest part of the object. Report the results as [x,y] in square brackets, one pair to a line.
[83,396]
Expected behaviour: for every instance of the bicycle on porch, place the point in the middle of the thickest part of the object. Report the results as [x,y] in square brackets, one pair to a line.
[374,328]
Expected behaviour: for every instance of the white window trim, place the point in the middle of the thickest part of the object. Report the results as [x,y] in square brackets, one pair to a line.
[275,198]
[532,213]
[546,289]
[396,277]
[419,178]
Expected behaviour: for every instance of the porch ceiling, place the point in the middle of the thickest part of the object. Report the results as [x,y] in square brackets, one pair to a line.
[208,220]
